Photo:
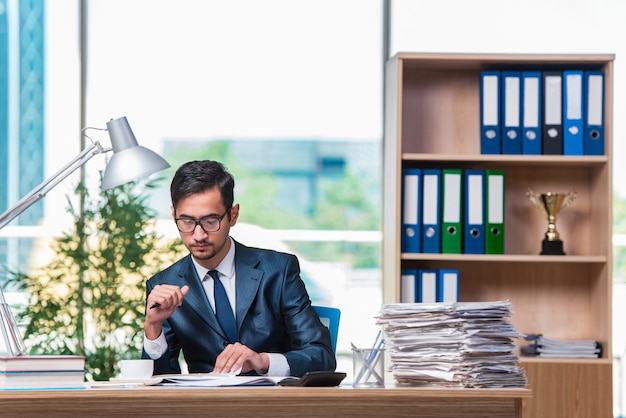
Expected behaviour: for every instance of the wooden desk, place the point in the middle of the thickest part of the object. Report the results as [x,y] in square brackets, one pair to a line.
[157,401]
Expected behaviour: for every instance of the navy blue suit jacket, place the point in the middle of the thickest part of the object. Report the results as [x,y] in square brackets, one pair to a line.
[274,315]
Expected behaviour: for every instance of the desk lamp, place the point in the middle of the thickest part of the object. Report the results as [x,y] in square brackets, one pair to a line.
[129,162]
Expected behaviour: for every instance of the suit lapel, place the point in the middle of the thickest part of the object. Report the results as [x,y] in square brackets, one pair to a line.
[196,299]
[247,282]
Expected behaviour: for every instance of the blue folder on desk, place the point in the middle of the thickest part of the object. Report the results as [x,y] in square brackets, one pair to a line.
[490,142]
[474,214]
[573,112]
[531,112]
[511,126]
[594,113]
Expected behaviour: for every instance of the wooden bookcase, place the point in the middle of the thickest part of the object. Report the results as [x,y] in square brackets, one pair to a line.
[432,121]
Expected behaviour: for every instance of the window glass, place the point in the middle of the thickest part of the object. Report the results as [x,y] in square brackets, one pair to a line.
[39,123]
[288,95]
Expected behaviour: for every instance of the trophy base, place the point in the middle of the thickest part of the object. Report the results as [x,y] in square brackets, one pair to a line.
[552,247]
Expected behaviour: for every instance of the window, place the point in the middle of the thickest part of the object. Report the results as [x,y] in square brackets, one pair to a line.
[288,95]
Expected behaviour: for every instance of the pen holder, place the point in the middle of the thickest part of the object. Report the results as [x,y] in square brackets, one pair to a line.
[369,367]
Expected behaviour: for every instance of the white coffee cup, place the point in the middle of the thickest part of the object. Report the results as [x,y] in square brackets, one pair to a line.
[137,368]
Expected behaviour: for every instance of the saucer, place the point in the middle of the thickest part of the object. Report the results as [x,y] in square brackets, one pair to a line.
[146,382]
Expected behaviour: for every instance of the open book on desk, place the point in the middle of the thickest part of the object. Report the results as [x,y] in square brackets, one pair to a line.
[217,380]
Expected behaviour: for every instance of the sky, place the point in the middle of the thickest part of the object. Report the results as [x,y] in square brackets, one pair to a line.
[213,69]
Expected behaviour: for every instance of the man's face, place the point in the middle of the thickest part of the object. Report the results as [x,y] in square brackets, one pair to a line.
[208,248]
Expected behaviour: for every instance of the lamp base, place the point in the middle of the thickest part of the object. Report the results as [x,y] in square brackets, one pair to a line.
[552,247]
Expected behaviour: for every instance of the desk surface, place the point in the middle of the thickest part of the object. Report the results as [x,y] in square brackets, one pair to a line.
[265,402]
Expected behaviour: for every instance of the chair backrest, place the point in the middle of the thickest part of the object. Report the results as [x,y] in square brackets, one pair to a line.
[330,318]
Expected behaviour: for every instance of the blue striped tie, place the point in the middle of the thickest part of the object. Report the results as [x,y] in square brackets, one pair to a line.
[223,311]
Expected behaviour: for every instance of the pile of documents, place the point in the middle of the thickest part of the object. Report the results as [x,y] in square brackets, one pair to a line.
[217,380]
[541,346]
[464,344]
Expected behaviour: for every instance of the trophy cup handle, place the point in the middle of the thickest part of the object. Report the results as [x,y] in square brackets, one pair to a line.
[571,196]
[532,196]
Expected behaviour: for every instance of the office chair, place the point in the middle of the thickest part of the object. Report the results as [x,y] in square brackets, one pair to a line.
[330,318]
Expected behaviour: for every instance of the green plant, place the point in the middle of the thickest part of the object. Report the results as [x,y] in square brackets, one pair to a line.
[89,300]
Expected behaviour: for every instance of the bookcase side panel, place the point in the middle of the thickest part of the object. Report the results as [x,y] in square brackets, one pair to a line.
[391,182]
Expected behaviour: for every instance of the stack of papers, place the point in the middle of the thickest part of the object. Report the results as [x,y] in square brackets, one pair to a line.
[217,380]
[541,346]
[202,380]
[466,344]
[42,372]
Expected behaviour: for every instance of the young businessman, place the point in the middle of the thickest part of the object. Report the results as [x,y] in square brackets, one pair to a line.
[275,329]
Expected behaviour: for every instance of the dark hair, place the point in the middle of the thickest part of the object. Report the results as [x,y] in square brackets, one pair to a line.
[197,176]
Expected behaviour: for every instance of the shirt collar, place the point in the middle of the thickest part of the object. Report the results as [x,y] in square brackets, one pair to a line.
[226,267]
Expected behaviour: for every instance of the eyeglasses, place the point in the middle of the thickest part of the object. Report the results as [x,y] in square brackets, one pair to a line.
[208,224]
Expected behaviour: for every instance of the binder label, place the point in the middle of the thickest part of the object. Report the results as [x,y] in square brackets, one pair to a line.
[407,283]
[431,188]
[574,85]
[553,101]
[475,200]
[496,198]
[511,118]
[411,183]
[531,102]
[452,191]
[490,100]
[429,287]
[450,284]
[594,101]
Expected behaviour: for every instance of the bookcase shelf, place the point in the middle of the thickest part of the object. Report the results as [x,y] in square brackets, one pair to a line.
[432,121]
[510,160]
[566,362]
[504,258]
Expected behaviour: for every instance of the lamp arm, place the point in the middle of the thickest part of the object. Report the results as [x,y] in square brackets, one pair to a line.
[40,191]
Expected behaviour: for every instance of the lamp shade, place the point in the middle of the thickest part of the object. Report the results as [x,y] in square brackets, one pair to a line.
[130,161]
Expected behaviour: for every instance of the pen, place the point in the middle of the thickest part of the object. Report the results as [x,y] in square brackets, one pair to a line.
[371,364]
[155,305]
[367,361]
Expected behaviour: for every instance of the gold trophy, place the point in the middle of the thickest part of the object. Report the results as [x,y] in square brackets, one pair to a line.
[552,203]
